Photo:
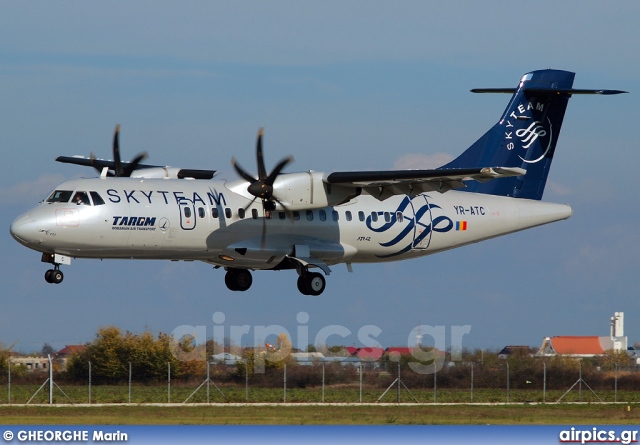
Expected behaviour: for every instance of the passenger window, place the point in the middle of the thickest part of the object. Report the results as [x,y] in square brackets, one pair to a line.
[374,216]
[81,198]
[241,213]
[60,196]
[387,217]
[296,215]
[322,215]
[97,199]
[201,212]
[227,212]
[214,212]
[335,215]
[187,212]
[254,213]
[399,217]
[282,215]
[361,215]
[309,215]
[347,215]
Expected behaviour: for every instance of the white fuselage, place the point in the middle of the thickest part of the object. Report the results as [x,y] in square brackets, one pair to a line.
[208,220]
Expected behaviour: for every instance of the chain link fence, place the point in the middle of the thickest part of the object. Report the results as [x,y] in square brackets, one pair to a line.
[349,382]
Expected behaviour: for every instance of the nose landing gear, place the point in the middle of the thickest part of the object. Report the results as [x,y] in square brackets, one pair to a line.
[54,276]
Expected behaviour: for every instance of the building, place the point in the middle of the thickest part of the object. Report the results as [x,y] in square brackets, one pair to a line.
[516,350]
[226,358]
[587,346]
[63,355]
[31,363]
[307,358]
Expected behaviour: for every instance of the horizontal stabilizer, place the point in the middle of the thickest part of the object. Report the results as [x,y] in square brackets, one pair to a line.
[548,91]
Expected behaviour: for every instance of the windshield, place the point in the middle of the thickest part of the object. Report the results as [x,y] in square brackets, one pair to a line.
[60,196]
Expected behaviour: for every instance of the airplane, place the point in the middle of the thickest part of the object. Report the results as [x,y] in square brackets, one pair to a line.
[309,221]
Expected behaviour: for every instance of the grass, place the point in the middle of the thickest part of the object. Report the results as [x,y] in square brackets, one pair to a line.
[21,394]
[526,407]
[323,415]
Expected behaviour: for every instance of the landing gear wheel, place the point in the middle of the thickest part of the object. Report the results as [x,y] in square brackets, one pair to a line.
[302,285]
[53,276]
[311,284]
[238,279]
[316,283]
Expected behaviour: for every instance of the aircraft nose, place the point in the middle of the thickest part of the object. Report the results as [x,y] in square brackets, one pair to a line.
[23,229]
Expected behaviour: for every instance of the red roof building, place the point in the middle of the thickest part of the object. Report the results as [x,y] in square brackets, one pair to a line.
[398,350]
[370,354]
[69,349]
[575,346]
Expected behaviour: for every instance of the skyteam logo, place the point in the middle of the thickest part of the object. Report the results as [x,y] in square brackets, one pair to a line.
[531,134]
[411,225]
[134,223]
[535,136]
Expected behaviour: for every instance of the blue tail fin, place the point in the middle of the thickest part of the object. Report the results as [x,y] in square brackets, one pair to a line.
[525,136]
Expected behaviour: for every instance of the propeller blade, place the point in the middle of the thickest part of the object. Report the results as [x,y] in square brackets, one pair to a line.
[263,238]
[92,160]
[116,152]
[250,204]
[246,176]
[276,171]
[133,165]
[288,212]
[262,171]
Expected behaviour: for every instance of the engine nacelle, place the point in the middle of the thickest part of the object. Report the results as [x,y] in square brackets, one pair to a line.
[172,173]
[156,172]
[308,191]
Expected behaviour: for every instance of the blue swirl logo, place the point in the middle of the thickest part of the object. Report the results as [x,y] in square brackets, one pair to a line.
[419,221]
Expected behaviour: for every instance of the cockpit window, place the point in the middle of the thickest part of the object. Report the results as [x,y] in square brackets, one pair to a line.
[60,196]
[97,199]
[81,198]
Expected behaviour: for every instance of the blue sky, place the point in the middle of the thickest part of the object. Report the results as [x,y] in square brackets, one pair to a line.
[340,86]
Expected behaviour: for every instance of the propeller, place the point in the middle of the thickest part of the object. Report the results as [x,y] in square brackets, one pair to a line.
[262,186]
[119,168]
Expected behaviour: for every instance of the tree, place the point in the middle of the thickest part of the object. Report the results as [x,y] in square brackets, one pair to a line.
[5,354]
[112,351]
[47,349]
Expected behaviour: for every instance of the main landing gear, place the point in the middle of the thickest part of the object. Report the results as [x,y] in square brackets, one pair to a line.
[240,280]
[311,283]
[54,276]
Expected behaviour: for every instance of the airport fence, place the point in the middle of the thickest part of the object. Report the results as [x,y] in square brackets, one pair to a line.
[348,382]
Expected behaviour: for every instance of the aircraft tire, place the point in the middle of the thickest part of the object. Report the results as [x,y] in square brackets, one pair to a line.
[243,280]
[47,276]
[302,285]
[316,283]
[311,284]
[230,280]
[238,280]
[56,276]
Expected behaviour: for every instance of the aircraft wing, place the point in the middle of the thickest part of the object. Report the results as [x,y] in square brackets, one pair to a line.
[387,183]
[96,163]
[99,164]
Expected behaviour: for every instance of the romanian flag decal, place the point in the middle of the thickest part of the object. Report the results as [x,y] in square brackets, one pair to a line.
[461,225]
